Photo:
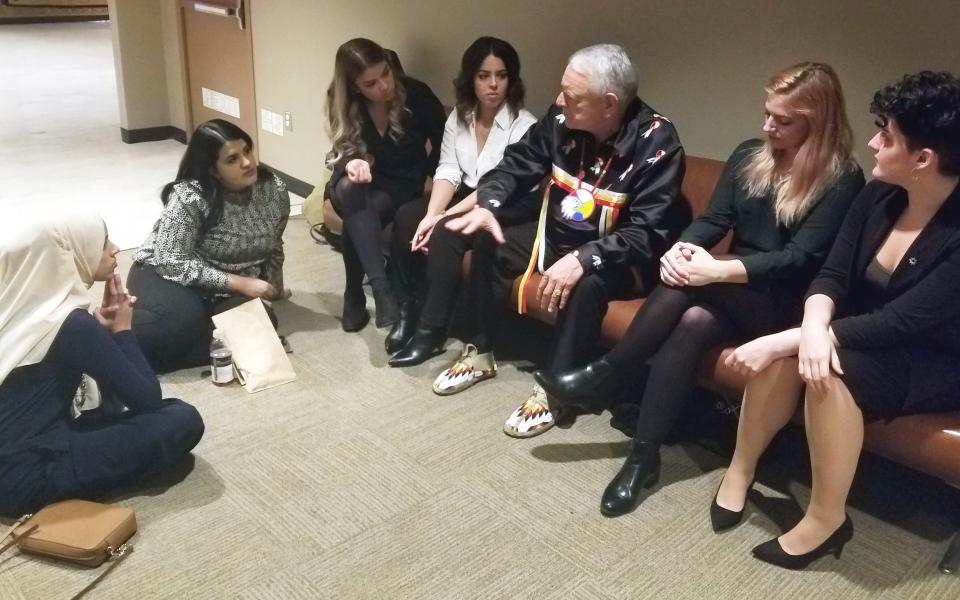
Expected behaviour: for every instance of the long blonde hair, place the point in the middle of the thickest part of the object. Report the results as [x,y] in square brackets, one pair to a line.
[344,99]
[813,91]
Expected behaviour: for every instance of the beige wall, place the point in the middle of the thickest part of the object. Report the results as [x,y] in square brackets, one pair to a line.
[146,52]
[171,31]
[138,54]
[703,64]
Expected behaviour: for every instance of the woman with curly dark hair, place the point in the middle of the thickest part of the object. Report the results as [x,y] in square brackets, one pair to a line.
[880,335]
[488,117]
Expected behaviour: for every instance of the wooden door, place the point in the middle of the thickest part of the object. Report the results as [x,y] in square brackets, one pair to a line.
[219,62]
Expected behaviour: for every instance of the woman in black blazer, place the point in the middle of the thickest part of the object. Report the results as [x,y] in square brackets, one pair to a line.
[881,326]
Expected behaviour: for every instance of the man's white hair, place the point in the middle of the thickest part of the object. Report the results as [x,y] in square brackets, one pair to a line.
[608,68]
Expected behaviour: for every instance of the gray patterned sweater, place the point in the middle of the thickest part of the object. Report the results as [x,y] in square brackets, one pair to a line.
[248,239]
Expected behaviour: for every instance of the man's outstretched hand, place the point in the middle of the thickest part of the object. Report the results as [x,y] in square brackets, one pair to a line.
[475,220]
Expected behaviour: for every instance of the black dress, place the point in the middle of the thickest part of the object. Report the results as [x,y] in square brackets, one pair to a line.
[675,326]
[400,167]
[899,345]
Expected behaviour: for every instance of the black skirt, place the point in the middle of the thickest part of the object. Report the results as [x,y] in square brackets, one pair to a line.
[908,380]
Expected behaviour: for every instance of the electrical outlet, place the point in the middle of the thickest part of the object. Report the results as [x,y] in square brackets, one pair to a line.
[288,121]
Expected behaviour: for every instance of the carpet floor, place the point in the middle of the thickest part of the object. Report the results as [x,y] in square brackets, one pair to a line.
[356,481]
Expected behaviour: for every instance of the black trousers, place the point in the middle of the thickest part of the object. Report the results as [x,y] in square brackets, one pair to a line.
[409,271]
[673,329]
[95,460]
[494,267]
[172,321]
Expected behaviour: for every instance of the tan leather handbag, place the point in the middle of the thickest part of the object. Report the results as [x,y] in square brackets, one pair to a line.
[77,531]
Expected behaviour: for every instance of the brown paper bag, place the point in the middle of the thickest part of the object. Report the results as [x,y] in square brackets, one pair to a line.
[258,355]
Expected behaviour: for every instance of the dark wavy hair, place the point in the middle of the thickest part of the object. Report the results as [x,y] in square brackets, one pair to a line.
[926,108]
[473,57]
[200,161]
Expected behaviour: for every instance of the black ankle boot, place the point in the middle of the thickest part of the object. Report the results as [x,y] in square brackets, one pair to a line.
[640,470]
[355,316]
[403,329]
[425,343]
[387,311]
[580,388]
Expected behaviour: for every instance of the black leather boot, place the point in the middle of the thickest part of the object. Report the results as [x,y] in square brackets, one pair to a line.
[640,470]
[403,329]
[581,388]
[387,311]
[425,343]
[355,316]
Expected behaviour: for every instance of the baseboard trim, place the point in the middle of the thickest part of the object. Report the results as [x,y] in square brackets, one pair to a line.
[51,19]
[297,186]
[153,134]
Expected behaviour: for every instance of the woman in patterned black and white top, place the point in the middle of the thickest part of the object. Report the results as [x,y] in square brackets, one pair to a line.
[217,244]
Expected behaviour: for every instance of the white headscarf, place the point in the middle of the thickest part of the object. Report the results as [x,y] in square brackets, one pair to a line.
[47,264]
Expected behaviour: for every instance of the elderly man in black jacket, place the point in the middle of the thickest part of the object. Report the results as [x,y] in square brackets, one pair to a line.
[608,212]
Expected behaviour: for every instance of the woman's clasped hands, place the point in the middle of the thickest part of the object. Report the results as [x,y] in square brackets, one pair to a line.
[116,309]
[688,264]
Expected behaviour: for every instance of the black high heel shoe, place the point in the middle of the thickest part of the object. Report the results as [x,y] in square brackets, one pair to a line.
[722,518]
[578,388]
[426,342]
[772,552]
[640,470]
[403,329]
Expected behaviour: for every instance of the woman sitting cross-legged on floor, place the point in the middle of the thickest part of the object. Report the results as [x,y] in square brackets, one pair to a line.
[49,342]
[881,325]
[488,117]
[217,244]
[783,199]
[380,124]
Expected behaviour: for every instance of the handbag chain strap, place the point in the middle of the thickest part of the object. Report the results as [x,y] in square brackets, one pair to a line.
[116,556]
[9,533]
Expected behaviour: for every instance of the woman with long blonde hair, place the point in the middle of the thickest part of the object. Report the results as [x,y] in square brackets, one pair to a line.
[783,199]
[380,123]
[880,335]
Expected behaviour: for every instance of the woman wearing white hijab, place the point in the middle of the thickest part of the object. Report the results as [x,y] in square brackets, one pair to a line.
[49,340]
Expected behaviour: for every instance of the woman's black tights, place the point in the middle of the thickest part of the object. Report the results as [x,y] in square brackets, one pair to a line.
[672,330]
[365,211]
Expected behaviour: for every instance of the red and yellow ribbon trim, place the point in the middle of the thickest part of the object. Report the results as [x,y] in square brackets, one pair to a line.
[602,197]
[534,254]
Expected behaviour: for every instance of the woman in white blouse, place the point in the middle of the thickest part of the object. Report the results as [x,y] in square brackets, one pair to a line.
[487,118]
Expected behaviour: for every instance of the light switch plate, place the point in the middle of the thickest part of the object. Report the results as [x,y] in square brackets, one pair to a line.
[271,122]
